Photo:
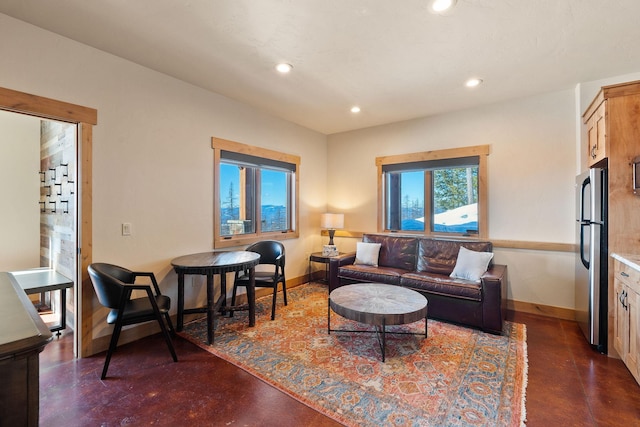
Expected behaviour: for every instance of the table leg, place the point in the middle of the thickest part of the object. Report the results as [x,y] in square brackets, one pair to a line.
[251,296]
[384,340]
[425,327]
[63,312]
[180,301]
[210,308]
[223,292]
[329,316]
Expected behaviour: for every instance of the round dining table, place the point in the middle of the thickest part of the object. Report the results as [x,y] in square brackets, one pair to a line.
[209,264]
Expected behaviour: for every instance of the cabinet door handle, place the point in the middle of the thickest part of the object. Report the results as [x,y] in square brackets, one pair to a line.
[623,274]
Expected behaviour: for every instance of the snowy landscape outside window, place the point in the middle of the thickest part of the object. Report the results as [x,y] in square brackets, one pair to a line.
[430,193]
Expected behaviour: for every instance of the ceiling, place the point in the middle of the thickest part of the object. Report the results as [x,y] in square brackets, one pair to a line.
[394,59]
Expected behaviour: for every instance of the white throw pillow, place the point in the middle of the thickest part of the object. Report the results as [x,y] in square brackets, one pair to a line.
[367,253]
[471,265]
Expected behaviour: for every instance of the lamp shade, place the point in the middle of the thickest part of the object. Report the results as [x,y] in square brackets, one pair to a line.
[331,221]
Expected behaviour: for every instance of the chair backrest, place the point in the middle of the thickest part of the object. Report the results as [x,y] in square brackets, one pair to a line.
[269,251]
[108,282]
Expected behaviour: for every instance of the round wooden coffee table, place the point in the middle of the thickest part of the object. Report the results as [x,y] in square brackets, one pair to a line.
[379,305]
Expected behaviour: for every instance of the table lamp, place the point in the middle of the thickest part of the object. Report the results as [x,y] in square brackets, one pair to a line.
[331,221]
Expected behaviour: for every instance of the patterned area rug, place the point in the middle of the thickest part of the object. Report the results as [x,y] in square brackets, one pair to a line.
[456,377]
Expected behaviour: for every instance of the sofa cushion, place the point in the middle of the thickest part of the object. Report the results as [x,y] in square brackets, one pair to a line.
[471,265]
[440,256]
[443,285]
[395,252]
[368,273]
[367,253]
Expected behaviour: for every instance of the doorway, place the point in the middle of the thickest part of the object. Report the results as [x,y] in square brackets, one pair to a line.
[79,120]
[38,182]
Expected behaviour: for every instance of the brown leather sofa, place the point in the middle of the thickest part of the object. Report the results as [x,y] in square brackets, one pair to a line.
[424,264]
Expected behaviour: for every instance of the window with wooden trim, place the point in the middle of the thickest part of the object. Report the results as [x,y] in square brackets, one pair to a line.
[256,194]
[435,192]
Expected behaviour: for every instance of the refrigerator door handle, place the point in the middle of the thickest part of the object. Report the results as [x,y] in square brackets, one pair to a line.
[585,183]
[584,222]
[582,258]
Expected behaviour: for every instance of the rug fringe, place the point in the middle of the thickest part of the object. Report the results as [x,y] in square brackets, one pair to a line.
[525,379]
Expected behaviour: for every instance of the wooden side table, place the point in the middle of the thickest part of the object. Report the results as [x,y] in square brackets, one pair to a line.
[318,257]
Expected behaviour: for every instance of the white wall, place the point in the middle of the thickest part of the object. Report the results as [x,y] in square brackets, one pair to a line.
[153,163]
[531,178]
[152,156]
[20,192]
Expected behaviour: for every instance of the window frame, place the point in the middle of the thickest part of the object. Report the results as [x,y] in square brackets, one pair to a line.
[219,145]
[480,151]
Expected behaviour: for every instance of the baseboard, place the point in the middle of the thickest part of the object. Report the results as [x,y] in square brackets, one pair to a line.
[541,309]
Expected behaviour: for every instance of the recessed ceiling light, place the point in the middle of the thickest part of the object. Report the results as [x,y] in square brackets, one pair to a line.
[473,82]
[441,6]
[284,67]
[355,109]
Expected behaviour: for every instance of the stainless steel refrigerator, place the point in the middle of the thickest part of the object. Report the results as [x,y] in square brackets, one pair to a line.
[592,257]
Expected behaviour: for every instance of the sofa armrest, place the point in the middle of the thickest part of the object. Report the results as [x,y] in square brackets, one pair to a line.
[334,264]
[494,298]
[495,273]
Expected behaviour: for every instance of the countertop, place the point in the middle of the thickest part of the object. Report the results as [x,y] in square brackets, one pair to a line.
[21,328]
[632,261]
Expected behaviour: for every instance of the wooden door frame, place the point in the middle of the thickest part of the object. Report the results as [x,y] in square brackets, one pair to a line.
[85,118]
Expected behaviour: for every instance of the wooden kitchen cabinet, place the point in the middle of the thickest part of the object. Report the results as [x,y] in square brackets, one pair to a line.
[627,316]
[596,132]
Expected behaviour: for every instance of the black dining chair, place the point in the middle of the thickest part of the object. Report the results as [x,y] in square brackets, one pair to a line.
[114,286]
[271,253]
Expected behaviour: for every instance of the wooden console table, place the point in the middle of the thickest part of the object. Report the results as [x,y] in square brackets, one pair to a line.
[23,335]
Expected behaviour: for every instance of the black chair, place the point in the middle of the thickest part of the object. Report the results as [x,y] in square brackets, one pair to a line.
[271,253]
[114,286]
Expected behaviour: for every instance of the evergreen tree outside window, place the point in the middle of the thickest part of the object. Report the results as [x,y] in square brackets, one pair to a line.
[455,200]
[435,192]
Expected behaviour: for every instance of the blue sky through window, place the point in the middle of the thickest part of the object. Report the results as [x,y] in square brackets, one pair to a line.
[413,185]
[274,185]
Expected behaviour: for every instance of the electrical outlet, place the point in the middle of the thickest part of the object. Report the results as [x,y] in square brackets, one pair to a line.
[126,229]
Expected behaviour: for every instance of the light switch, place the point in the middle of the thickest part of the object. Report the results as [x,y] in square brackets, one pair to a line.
[126,229]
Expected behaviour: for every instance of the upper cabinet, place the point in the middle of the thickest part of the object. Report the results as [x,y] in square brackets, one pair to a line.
[612,124]
[596,131]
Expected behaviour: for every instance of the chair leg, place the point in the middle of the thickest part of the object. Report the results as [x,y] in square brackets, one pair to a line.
[233,298]
[165,332]
[112,347]
[163,328]
[284,290]
[273,301]
[169,323]
[167,338]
